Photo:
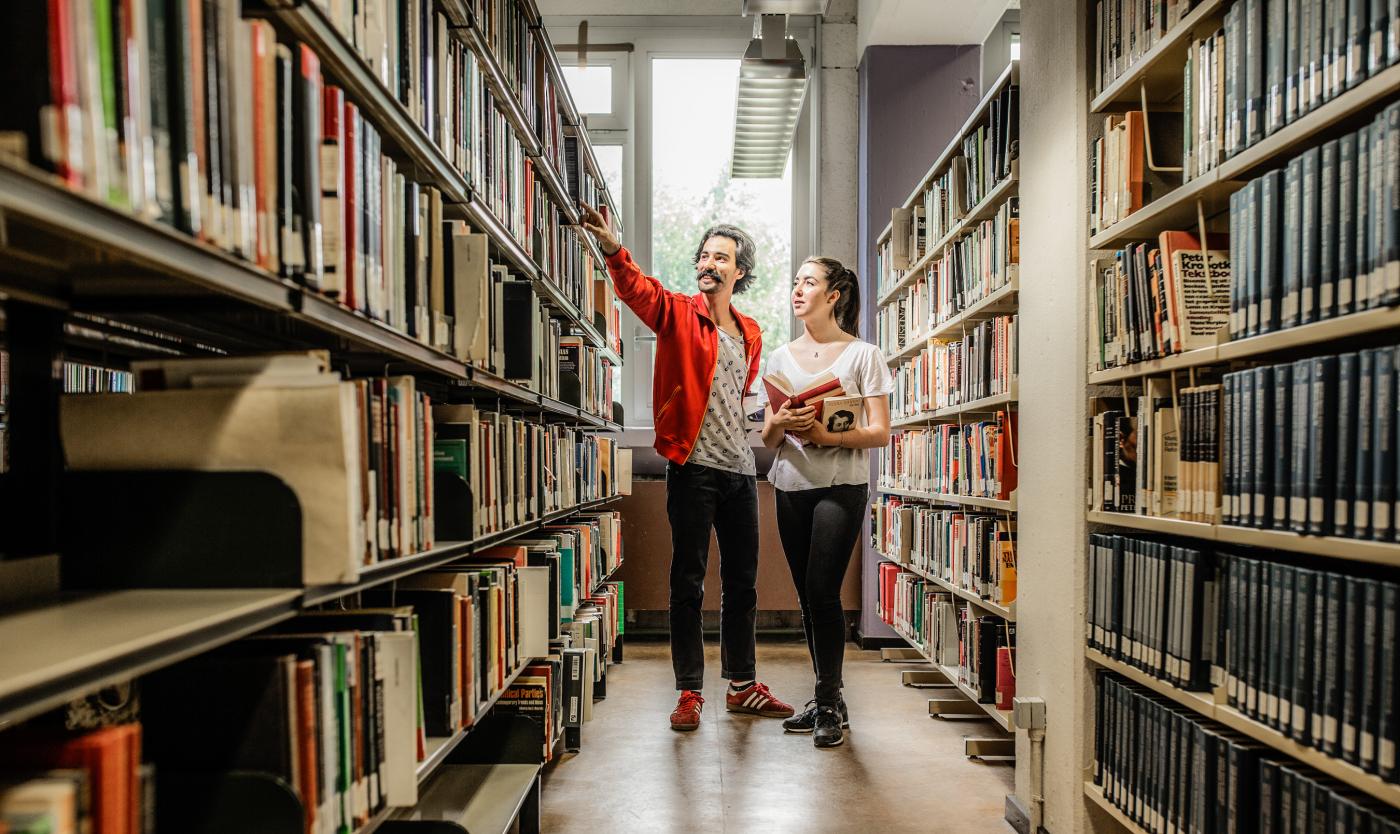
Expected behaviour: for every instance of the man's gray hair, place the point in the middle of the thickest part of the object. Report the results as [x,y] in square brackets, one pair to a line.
[743,251]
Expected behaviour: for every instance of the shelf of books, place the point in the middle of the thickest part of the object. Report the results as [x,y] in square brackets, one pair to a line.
[333,441]
[942,632]
[1242,369]
[948,281]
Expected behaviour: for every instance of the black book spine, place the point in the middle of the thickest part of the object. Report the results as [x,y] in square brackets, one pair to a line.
[1349,667]
[1272,648]
[1329,244]
[1251,258]
[1235,673]
[1383,445]
[1239,266]
[1268,796]
[1274,57]
[1344,486]
[1252,53]
[1262,439]
[1293,238]
[1253,644]
[1387,728]
[1288,648]
[1249,466]
[1362,218]
[1368,673]
[1390,290]
[1322,444]
[1292,61]
[1346,224]
[1365,420]
[1268,268]
[1230,480]
[1310,287]
[1333,667]
[1375,281]
[1298,466]
[1358,41]
[1306,623]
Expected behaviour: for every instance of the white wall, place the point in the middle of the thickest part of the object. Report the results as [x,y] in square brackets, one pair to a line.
[1053,446]
[836,197]
[922,22]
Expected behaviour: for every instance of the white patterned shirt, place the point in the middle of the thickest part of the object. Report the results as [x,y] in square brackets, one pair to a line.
[723,442]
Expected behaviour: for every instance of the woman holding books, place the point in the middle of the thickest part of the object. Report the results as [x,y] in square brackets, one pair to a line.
[827,406]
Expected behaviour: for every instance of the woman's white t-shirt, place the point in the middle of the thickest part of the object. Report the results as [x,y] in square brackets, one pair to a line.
[862,371]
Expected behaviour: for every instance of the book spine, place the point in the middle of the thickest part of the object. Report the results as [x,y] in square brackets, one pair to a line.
[1322,446]
[1262,438]
[1344,486]
[1383,445]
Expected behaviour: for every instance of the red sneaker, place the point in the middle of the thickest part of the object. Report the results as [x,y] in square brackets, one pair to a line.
[755,699]
[686,715]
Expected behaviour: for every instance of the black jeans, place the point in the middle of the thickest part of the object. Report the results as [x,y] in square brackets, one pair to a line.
[819,527]
[698,498]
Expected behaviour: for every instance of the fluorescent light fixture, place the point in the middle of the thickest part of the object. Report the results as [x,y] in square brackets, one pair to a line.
[768,103]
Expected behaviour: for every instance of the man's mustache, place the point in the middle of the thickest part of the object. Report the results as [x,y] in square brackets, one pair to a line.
[711,273]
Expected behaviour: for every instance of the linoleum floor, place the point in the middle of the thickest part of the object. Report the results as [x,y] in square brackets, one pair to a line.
[899,770]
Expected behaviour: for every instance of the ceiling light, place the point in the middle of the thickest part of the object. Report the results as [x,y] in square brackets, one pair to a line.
[769,101]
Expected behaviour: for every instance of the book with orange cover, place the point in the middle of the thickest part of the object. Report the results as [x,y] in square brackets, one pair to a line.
[111,757]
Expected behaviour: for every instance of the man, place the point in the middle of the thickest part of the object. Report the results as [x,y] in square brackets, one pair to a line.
[706,359]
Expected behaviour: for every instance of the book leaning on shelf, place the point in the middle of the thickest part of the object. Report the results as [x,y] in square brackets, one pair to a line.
[1122,178]
[1149,301]
[355,453]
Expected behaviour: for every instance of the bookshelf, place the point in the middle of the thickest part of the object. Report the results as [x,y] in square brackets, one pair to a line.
[112,283]
[973,187]
[1343,102]
[1007,613]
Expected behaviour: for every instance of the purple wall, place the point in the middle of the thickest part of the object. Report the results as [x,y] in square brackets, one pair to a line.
[912,100]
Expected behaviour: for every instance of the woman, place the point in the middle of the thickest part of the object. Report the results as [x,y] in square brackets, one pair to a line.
[822,484]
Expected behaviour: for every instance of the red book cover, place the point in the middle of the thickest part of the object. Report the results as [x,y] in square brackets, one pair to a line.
[1006,677]
[201,120]
[333,187]
[63,78]
[265,139]
[308,744]
[110,756]
[1006,454]
[515,554]
[780,391]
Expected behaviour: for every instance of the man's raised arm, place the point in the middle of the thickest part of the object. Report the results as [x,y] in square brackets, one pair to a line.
[642,293]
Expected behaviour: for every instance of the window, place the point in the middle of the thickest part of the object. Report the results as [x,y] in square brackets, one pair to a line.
[692,134]
[610,160]
[591,88]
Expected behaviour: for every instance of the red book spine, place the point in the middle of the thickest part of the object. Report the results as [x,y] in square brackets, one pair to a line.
[1006,677]
[63,78]
[307,740]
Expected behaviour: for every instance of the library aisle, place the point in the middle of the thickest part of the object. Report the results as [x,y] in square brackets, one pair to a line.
[742,773]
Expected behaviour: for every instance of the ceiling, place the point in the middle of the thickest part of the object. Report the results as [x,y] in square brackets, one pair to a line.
[895,22]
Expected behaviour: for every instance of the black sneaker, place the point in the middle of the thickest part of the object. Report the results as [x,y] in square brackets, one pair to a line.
[806,721]
[828,728]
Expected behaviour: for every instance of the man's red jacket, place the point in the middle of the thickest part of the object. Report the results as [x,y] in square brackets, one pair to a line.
[687,348]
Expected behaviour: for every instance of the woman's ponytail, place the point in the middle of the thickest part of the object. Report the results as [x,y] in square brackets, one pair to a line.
[842,280]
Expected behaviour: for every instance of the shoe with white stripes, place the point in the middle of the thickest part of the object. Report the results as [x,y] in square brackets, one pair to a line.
[755,699]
